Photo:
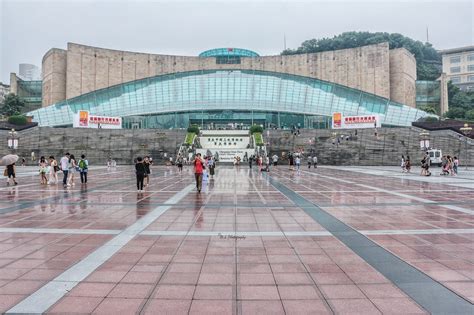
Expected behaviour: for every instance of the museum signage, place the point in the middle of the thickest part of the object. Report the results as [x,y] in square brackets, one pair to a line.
[339,121]
[83,119]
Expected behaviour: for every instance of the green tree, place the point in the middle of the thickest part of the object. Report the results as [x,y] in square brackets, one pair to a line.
[469,115]
[427,58]
[428,108]
[12,105]
[455,112]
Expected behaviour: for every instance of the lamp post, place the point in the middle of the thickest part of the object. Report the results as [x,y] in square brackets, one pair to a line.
[12,140]
[466,130]
[424,140]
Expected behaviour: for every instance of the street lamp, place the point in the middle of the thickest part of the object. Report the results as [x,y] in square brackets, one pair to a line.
[466,130]
[12,139]
[424,140]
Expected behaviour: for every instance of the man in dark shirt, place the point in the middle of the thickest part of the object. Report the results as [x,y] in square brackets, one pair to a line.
[140,172]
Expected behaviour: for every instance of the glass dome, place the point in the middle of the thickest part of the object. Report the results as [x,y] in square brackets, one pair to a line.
[238,52]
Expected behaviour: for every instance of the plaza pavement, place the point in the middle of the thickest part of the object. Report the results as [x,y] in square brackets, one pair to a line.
[345,240]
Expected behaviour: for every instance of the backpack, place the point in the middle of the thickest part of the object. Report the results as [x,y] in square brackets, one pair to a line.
[83,164]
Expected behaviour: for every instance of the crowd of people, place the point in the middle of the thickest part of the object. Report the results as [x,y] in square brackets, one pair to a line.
[50,167]
[449,165]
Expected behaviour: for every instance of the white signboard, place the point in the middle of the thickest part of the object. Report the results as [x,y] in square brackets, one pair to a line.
[227,155]
[340,121]
[82,119]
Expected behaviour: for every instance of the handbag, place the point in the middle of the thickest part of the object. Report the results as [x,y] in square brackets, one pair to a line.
[5,172]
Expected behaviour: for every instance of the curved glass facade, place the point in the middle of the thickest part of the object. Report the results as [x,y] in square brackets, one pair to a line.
[240,92]
[238,52]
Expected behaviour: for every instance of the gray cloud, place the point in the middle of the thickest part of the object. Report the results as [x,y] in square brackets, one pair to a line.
[29,28]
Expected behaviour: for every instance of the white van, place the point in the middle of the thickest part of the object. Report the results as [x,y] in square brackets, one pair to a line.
[435,156]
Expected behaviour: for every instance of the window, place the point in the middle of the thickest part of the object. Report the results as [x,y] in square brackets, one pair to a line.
[455,69]
[470,88]
[470,57]
[455,59]
[470,78]
[470,68]
[455,80]
[227,60]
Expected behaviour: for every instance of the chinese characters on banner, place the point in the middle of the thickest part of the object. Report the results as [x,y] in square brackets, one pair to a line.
[340,121]
[83,119]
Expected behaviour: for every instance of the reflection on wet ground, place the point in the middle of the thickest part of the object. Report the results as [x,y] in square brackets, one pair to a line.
[243,245]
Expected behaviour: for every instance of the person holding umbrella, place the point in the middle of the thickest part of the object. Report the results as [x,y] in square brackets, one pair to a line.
[9,160]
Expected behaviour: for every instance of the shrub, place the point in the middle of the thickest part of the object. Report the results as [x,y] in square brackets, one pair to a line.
[256,128]
[193,129]
[189,138]
[258,139]
[431,119]
[18,120]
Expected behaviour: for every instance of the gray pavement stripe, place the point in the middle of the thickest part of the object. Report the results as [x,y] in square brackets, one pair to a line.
[395,193]
[428,293]
[41,300]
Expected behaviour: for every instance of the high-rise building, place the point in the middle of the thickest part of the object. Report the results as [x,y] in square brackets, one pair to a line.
[458,64]
[29,72]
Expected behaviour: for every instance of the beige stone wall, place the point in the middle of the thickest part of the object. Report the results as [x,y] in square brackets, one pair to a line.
[54,76]
[367,68]
[402,77]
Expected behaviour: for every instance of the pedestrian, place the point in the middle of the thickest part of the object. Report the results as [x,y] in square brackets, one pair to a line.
[259,162]
[146,163]
[298,163]
[72,165]
[10,173]
[408,164]
[140,173]
[212,165]
[267,163]
[179,162]
[275,159]
[64,162]
[83,168]
[455,165]
[53,170]
[291,161]
[402,165]
[23,161]
[315,161]
[43,168]
[199,167]
[250,161]
[310,161]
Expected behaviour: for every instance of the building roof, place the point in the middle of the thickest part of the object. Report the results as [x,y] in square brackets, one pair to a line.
[456,50]
[228,52]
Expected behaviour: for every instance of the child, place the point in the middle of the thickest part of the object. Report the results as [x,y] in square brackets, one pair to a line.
[43,168]
[83,168]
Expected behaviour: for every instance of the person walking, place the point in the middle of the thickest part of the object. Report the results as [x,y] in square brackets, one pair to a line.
[267,163]
[140,172]
[250,161]
[53,170]
[315,161]
[298,163]
[275,159]
[310,161]
[43,168]
[179,162]
[10,173]
[408,164]
[402,165]
[455,165]
[212,165]
[72,165]
[146,163]
[199,167]
[291,161]
[64,163]
[83,168]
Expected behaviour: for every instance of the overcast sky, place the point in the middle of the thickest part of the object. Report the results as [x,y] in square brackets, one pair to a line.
[29,28]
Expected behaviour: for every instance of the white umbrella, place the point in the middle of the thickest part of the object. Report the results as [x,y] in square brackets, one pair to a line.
[8,159]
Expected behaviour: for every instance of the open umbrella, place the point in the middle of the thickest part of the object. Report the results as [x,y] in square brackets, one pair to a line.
[8,159]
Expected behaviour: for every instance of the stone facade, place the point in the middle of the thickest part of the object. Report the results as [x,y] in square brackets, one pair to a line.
[54,76]
[374,69]
[126,144]
[402,77]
